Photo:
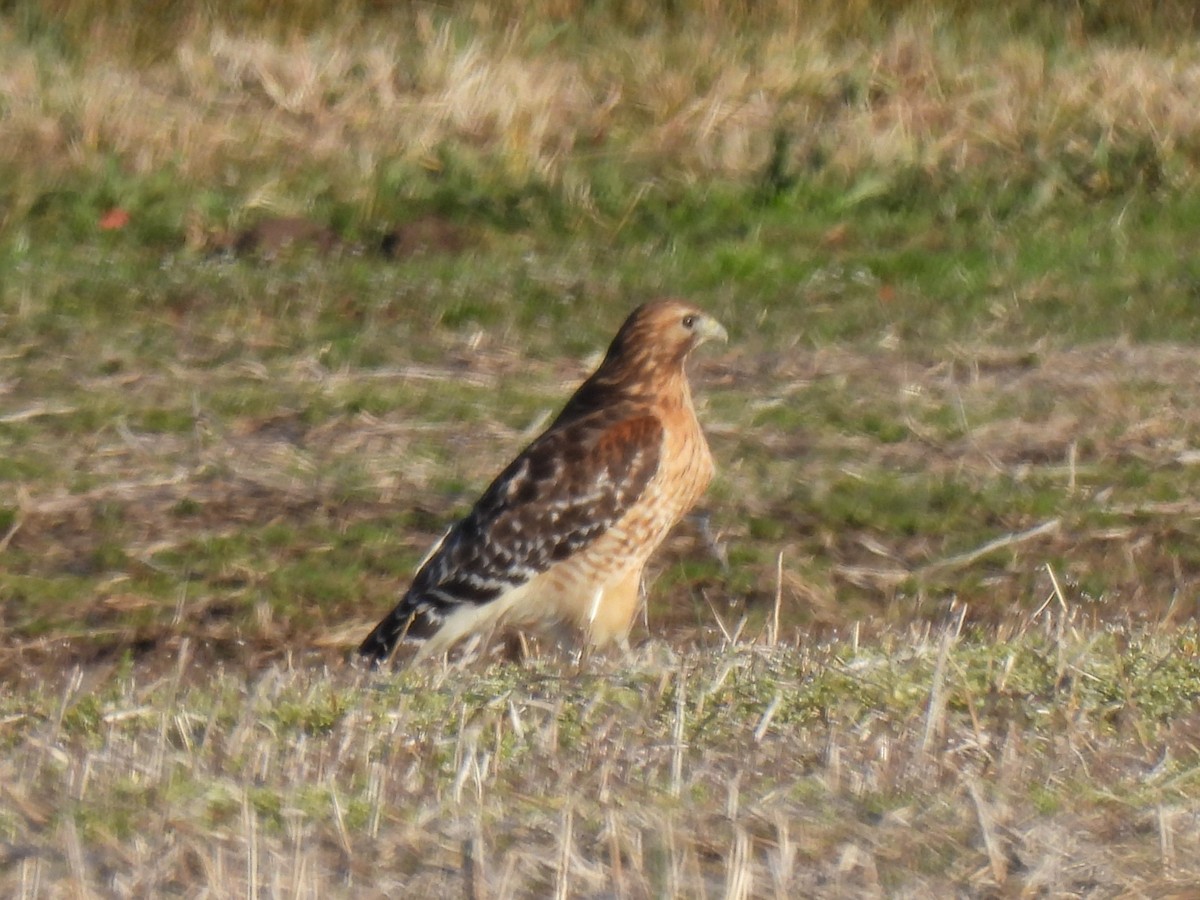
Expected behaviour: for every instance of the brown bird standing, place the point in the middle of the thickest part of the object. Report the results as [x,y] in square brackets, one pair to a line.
[563,533]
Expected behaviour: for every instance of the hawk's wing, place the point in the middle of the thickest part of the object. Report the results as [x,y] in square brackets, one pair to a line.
[565,490]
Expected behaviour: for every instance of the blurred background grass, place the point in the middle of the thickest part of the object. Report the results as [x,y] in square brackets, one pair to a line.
[953,247]
[561,112]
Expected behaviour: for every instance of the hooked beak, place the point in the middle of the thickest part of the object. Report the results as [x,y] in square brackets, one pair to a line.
[709,329]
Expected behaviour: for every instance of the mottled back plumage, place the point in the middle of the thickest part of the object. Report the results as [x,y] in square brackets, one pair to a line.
[562,533]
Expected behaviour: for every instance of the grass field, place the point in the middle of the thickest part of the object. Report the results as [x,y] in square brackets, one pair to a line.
[279,295]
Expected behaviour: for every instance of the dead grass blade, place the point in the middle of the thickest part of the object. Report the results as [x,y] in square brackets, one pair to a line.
[1017,537]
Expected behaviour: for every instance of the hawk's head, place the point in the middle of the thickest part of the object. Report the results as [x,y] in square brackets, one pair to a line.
[663,332]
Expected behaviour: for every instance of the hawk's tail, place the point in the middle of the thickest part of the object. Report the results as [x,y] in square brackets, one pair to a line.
[379,643]
[402,623]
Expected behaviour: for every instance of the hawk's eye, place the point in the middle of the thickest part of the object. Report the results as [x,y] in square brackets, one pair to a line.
[689,321]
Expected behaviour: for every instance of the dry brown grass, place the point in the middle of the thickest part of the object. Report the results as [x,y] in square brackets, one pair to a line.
[735,772]
[698,104]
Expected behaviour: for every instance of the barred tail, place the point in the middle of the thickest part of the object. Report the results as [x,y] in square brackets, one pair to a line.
[402,623]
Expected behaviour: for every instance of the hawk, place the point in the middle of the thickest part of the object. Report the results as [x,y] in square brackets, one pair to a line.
[562,534]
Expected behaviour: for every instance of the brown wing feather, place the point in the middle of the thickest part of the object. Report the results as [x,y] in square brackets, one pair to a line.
[564,491]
